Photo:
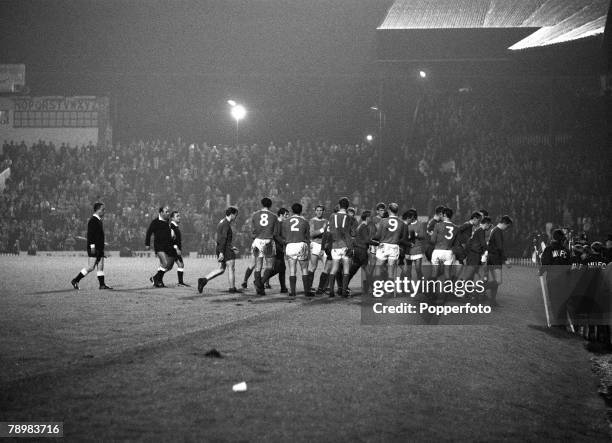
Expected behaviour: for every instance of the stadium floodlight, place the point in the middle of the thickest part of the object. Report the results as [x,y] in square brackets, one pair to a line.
[369,138]
[238,112]
[379,141]
[422,74]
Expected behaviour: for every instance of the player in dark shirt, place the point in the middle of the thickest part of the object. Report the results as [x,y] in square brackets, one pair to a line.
[390,233]
[465,231]
[417,236]
[318,228]
[378,216]
[364,238]
[279,266]
[295,230]
[95,247]
[264,227]
[443,238]
[342,229]
[177,244]
[162,245]
[428,246]
[496,256]
[475,247]
[226,252]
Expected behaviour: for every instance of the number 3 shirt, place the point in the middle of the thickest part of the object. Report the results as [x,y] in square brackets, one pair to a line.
[444,234]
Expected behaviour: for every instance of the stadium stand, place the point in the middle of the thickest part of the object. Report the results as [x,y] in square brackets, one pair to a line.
[480,149]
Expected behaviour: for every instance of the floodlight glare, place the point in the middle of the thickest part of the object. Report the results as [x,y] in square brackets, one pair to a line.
[369,138]
[238,112]
[231,102]
[422,74]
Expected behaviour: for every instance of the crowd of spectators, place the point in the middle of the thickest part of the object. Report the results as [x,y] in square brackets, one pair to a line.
[466,151]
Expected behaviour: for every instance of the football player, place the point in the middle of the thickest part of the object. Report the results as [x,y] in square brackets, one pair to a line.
[295,230]
[417,234]
[265,225]
[342,229]
[443,238]
[390,233]
[318,227]
[496,256]
[226,252]
[279,258]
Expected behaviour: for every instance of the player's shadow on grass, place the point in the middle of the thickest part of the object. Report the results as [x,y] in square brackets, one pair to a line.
[193,297]
[256,300]
[556,332]
[87,290]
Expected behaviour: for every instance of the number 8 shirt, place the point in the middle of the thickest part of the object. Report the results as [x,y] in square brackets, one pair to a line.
[265,225]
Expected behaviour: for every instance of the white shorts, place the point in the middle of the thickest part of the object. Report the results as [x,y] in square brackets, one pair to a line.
[415,257]
[315,249]
[387,251]
[442,257]
[339,253]
[373,248]
[297,251]
[263,247]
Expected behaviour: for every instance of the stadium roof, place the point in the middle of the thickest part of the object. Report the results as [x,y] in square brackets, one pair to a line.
[551,21]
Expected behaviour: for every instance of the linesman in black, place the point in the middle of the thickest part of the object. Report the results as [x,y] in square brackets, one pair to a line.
[162,245]
[177,244]
[95,247]
[226,253]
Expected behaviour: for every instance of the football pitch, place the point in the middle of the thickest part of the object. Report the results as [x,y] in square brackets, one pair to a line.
[132,363]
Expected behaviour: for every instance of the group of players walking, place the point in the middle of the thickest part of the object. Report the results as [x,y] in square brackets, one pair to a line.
[383,245]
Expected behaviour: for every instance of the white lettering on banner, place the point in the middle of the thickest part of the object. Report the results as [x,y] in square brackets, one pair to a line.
[56,104]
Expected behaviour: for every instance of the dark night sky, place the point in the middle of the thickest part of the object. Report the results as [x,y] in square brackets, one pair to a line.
[304,69]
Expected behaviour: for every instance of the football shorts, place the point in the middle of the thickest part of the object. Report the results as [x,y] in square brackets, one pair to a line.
[263,247]
[297,251]
[442,257]
[315,249]
[94,252]
[494,260]
[372,249]
[388,251]
[339,253]
[415,257]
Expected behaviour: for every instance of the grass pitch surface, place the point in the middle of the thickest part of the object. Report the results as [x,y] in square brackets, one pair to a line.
[130,364]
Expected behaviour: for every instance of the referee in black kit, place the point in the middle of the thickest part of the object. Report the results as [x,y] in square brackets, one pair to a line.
[95,247]
[162,245]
